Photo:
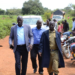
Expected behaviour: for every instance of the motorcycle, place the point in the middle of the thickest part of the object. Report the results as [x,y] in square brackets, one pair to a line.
[71,41]
[65,46]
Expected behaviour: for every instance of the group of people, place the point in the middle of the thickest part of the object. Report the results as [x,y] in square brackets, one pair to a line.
[44,42]
[63,26]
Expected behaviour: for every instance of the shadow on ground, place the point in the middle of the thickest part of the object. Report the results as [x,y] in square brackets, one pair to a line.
[70,64]
[32,74]
[1,46]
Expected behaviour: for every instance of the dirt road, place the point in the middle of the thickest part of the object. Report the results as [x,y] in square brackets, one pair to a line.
[7,62]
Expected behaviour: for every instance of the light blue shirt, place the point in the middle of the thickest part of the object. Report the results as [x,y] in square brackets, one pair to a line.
[20,35]
[37,34]
[73,25]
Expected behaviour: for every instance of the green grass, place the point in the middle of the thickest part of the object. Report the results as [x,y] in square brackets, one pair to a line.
[7,20]
[5,24]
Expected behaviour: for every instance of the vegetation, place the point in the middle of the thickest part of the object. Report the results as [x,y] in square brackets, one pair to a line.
[30,7]
[5,24]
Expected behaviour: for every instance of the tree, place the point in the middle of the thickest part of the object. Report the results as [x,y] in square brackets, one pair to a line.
[13,11]
[2,12]
[73,6]
[32,7]
[47,14]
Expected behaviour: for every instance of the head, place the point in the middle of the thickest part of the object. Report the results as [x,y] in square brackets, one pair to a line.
[65,21]
[19,21]
[39,24]
[51,25]
[58,23]
[47,22]
[54,20]
[49,19]
[13,23]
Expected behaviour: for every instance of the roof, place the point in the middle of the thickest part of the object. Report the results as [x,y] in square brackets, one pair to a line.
[58,12]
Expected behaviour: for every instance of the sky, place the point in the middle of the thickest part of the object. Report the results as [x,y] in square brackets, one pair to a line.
[50,4]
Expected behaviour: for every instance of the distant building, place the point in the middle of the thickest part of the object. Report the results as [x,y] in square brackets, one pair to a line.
[59,12]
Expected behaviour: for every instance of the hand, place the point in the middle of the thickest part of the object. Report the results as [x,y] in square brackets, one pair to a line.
[11,46]
[40,53]
[30,47]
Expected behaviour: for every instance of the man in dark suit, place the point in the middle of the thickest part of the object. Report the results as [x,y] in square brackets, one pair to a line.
[50,49]
[20,35]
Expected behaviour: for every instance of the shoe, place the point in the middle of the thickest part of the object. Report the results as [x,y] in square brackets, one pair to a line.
[41,73]
[35,70]
[51,73]
[56,74]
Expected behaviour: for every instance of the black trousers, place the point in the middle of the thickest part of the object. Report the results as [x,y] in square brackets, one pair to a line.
[34,53]
[21,51]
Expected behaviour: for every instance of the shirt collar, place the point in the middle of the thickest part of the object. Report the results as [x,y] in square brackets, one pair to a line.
[38,29]
[51,31]
[21,26]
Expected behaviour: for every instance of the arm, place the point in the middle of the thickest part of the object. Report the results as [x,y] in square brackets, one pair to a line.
[41,44]
[11,37]
[31,38]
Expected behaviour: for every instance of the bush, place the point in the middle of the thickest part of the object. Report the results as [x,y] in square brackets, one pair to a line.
[5,24]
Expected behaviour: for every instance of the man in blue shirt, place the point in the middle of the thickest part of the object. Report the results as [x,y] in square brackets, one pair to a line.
[37,32]
[21,34]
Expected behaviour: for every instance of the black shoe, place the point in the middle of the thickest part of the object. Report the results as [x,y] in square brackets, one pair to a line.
[51,73]
[56,74]
[41,73]
[35,70]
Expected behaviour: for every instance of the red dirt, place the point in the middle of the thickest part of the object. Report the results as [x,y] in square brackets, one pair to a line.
[7,62]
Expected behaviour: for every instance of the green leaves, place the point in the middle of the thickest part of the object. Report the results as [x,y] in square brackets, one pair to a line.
[32,7]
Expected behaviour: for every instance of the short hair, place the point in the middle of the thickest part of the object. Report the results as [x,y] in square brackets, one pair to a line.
[39,21]
[52,22]
[20,18]
[49,19]
[58,23]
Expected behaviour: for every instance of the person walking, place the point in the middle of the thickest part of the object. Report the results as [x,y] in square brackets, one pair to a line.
[60,28]
[50,50]
[73,23]
[21,34]
[37,32]
[65,26]
[55,27]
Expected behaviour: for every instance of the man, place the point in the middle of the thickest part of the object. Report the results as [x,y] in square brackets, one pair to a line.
[37,32]
[50,50]
[65,26]
[21,34]
[55,27]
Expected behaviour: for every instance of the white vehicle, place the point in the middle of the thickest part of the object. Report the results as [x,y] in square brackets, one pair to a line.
[57,17]
[31,20]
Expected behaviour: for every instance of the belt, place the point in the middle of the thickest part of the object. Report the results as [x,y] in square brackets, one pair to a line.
[21,45]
